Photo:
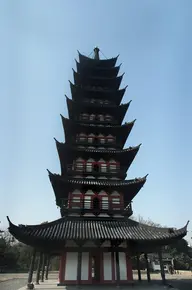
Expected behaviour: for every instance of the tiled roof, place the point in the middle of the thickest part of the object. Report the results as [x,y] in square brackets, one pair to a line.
[97,150]
[135,148]
[115,183]
[100,62]
[126,125]
[108,182]
[95,228]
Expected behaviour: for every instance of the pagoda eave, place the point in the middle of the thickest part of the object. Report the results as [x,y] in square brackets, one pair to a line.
[102,71]
[75,108]
[121,131]
[53,235]
[111,62]
[62,186]
[82,80]
[114,95]
[67,153]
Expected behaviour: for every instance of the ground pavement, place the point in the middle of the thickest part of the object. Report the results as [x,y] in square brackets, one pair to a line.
[18,282]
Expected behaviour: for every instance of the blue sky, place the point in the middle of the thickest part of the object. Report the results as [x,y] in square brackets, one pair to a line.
[39,42]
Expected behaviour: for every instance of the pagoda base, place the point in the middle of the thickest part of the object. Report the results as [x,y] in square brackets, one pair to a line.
[95,268]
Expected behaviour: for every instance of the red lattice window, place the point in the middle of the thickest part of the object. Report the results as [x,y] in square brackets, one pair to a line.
[116,200]
[75,199]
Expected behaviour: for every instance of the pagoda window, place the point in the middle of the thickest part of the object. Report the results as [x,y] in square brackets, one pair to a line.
[92,101]
[113,165]
[101,118]
[101,139]
[90,177]
[106,102]
[91,138]
[108,118]
[82,137]
[96,203]
[102,165]
[79,164]
[101,148]
[88,198]
[84,116]
[92,117]
[104,199]
[116,200]
[75,199]
[102,177]
[110,138]
[89,165]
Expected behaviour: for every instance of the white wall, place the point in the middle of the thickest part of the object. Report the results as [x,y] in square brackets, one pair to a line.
[122,266]
[107,266]
[85,266]
[71,266]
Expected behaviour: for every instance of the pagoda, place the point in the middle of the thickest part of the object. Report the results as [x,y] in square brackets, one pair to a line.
[95,236]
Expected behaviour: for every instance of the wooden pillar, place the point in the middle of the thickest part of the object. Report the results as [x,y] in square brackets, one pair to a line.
[129,267]
[117,268]
[79,263]
[31,268]
[47,269]
[38,268]
[138,267]
[162,267]
[148,270]
[43,268]
[61,269]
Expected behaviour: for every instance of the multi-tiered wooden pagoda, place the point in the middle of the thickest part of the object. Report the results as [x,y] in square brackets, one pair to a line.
[95,236]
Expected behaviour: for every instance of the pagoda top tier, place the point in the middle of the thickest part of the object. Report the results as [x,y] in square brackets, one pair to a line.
[96,61]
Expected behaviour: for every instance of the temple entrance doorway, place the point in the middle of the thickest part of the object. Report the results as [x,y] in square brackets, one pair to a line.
[96,277]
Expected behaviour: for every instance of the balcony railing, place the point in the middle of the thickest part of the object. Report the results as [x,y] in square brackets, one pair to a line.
[95,206]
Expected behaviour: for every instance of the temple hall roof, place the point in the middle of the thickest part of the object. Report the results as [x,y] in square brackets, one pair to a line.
[69,228]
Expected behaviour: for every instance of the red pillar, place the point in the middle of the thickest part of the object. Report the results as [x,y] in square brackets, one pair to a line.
[62,269]
[129,269]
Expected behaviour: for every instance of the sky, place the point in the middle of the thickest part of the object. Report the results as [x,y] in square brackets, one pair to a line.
[39,43]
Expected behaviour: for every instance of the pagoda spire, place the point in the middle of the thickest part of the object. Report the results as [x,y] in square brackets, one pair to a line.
[96,53]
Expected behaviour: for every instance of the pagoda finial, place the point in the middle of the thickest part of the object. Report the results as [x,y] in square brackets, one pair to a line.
[96,52]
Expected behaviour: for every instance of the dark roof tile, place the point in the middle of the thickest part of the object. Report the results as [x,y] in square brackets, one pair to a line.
[94,228]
